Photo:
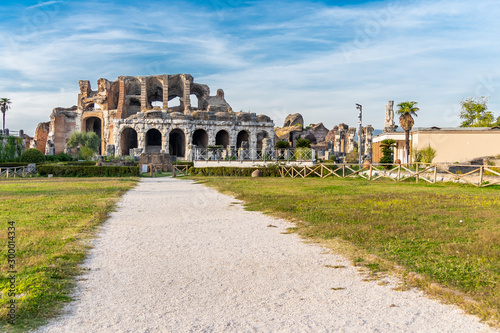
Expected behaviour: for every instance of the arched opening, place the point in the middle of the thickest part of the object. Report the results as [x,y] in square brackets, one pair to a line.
[157,104]
[153,141]
[177,143]
[133,106]
[260,137]
[113,95]
[155,92]
[242,137]
[92,107]
[200,138]
[194,101]
[94,124]
[174,102]
[128,140]
[222,139]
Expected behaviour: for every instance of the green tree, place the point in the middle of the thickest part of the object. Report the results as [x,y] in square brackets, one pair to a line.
[474,113]
[88,142]
[387,153]
[4,106]
[406,112]
[32,155]
[303,143]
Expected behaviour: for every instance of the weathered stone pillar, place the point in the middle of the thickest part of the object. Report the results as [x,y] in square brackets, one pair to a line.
[165,142]
[368,138]
[336,146]
[121,100]
[187,96]
[141,140]
[144,99]
[165,91]
[352,133]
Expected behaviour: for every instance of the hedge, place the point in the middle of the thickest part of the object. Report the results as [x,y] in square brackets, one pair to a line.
[88,171]
[273,171]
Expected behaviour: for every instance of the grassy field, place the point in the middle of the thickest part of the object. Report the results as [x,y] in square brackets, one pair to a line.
[442,238]
[54,219]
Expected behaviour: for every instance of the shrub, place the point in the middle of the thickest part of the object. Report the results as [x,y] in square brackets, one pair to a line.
[88,171]
[32,155]
[61,157]
[269,171]
[282,144]
[303,143]
[424,155]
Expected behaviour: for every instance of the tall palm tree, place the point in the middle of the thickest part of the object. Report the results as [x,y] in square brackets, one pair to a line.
[406,111]
[4,106]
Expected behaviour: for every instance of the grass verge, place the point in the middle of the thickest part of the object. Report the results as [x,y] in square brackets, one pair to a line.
[442,238]
[54,219]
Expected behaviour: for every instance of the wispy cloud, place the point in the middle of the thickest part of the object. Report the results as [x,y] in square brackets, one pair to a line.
[43,4]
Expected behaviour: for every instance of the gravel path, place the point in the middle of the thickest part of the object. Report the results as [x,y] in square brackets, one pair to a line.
[179,257]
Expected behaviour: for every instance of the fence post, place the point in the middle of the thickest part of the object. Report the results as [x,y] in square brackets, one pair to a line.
[481,176]
[416,175]
[435,173]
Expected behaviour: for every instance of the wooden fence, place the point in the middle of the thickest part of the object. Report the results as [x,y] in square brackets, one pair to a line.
[477,175]
[180,170]
[13,172]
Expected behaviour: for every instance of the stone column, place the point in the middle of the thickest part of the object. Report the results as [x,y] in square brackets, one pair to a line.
[352,133]
[336,145]
[187,96]
[144,99]
[165,141]
[141,140]
[368,141]
[165,91]
[121,100]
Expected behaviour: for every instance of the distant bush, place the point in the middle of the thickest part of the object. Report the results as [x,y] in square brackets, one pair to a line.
[62,157]
[88,171]
[270,171]
[282,144]
[32,155]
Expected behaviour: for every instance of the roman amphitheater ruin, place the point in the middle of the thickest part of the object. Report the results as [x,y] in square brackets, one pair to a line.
[135,115]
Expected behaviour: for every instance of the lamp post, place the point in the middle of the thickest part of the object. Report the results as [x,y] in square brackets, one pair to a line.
[360,117]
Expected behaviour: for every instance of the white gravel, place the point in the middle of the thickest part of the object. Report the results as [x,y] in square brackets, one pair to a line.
[179,257]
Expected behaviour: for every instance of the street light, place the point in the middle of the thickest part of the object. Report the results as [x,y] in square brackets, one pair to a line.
[360,117]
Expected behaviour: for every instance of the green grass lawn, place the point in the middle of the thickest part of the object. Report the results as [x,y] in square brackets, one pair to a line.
[443,238]
[54,219]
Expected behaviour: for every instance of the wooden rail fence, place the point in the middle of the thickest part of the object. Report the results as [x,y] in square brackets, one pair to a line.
[13,172]
[180,170]
[477,175]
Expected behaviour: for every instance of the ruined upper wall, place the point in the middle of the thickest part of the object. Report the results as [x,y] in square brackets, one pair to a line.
[129,95]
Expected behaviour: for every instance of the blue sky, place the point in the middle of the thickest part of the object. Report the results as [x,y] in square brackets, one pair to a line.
[318,58]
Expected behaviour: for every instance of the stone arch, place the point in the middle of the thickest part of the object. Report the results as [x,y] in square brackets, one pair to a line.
[128,140]
[242,136]
[154,92]
[153,141]
[200,138]
[94,124]
[222,138]
[177,143]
